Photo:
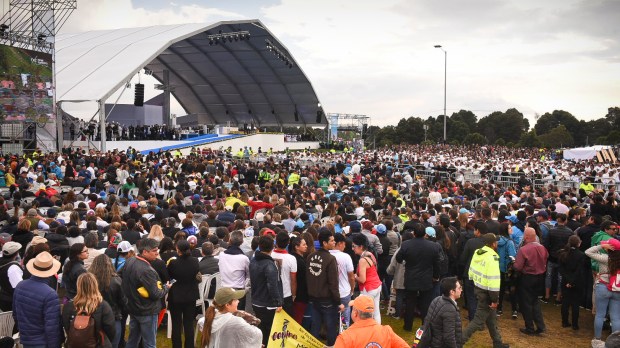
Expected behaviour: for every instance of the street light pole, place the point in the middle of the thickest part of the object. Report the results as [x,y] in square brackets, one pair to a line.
[445,84]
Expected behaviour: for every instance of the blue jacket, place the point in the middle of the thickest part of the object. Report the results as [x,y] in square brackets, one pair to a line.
[36,309]
[505,249]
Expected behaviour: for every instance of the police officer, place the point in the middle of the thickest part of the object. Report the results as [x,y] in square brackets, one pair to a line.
[484,272]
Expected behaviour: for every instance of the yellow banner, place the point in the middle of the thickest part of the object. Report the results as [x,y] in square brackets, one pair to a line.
[287,333]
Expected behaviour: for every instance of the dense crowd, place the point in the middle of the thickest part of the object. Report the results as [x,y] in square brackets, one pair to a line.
[304,232]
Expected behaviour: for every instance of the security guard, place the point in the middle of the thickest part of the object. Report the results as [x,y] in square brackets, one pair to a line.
[484,272]
[293,179]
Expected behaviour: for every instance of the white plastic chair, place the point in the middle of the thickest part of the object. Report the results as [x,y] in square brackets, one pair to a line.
[6,324]
[207,280]
[203,289]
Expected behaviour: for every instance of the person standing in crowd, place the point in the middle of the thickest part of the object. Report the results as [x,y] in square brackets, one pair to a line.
[367,275]
[556,240]
[421,257]
[266,285]
[484,272]
[298,248]
[11,274]
[110,288]
[531,262]
[144,291]
[444,317]
[473,244]
[183,295]
[365,331]
[608,264]
[288,271]
[322,279]
[571,261]
[36,307]
[222,327]
[88,301]
[73,268]
[346,275]
[234,265]
[507,253]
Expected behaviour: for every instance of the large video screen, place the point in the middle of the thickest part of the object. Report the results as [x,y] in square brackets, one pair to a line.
[26,92]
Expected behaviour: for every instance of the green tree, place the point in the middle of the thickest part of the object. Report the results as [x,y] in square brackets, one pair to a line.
[549,121]
[613,138]
[613,117]
[475,139]
[529,139]
[557,137]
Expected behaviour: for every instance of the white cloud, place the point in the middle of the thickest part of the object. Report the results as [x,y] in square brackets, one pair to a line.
[377,58]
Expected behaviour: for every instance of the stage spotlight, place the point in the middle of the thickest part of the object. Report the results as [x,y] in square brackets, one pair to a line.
[41,38]
[3,28]
[210,42]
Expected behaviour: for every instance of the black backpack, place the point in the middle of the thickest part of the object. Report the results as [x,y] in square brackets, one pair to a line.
[83,332]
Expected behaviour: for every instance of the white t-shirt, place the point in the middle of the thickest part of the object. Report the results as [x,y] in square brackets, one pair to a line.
[345,266]
[289,265]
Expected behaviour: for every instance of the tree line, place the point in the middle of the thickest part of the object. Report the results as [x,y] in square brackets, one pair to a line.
[556,129]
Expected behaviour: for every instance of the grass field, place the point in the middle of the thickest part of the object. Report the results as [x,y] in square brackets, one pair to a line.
[555,337]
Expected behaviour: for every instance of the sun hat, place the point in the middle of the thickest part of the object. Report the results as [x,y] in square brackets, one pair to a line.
[43,266]
[225,295]
[36,240]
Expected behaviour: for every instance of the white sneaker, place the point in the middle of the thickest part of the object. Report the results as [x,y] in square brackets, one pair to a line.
[598,343]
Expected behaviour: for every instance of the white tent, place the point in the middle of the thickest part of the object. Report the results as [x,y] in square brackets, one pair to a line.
[237,81]
[583,153]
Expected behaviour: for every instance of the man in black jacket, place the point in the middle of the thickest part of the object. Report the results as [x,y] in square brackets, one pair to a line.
[556,240]
[421,258]
[322,280]
[144,291]
[131,234]
[444,317]
[266,286]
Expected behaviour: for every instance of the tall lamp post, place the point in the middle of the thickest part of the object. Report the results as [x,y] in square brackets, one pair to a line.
[445,80]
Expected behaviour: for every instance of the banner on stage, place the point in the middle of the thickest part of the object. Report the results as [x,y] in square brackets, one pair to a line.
[287,333]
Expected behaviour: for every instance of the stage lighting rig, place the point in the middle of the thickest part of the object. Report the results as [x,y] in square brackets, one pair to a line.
[279,54]
[221,37]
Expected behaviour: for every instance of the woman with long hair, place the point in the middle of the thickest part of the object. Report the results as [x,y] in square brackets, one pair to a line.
[110,288]
[221,328]
[156,233]
[571,261]
[78,252]
[507,254]
[607,264]
[297,248]
[88,301]
[367,276]
[183,294]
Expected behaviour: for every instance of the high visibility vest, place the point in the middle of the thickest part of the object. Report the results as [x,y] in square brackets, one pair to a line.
[403,217]
[264,175]
[293,179]
[484,269]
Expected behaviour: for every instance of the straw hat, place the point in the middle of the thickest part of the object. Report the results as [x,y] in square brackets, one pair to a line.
[44,265]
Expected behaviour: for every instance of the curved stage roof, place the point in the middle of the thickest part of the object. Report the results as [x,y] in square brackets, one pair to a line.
[239,81]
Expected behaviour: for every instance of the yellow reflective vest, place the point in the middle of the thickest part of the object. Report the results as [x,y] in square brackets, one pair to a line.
[484,269]
[293,178]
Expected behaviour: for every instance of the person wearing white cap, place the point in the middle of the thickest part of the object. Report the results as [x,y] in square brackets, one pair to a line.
[11,273]
[36,307]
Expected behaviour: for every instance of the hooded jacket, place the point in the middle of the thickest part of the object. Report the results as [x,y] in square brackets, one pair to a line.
[597,238]
[506,249]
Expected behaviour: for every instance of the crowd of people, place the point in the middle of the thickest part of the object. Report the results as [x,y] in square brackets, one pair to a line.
[132,236]
[81,130]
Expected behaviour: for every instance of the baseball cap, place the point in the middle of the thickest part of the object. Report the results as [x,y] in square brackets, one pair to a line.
[259,216]
[367,225]
[355,226]
[614,242]
[542,214]
[36,240]
[431,232]
[192,240]
[10,248]
[124,247]
[363,303]
[225,295]
[463,211]
[381,229]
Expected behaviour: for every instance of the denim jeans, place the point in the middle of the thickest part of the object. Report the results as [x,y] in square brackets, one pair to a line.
[347,310]
[376,296]
[117,338]
[325,313]
[472,301]
[552,271]
[606,299]
[400,298]
[144,327]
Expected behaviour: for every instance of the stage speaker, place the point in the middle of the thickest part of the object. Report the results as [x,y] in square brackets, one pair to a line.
[364,129]
[296,116]
[319,115]
[139,95]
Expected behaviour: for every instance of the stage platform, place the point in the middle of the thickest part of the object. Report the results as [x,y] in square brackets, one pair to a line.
[214,141]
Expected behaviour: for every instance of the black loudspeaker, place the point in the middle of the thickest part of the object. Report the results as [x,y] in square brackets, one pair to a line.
[364,129]
[296,116]
[319,115]
[139,96]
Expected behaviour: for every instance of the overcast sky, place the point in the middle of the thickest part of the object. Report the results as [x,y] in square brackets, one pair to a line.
[377,58]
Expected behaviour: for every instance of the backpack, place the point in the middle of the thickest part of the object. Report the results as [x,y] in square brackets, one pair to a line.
[83,333]
[614,282]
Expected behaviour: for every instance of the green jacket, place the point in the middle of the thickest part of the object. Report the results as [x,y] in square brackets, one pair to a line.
[597,238]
